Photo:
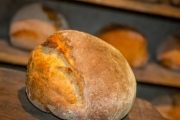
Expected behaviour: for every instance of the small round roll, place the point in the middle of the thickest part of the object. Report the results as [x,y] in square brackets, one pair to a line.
[130,42]
[32,24]
[77,76]
[168,53]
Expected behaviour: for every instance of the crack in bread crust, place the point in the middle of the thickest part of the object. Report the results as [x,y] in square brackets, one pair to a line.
[51,67]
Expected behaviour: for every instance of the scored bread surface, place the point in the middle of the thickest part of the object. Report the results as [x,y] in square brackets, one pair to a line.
[75,76]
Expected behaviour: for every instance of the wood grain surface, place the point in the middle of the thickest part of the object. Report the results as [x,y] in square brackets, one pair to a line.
[150,8]
[157,74]
[10,54]
[14,104]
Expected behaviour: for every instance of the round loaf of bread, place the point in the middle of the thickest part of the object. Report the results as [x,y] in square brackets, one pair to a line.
[168,53]
[77,76]
[33,23]
[129,41]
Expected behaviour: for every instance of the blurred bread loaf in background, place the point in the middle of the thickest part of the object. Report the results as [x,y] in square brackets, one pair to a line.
[168,105]
[129,41]
[33,23]
[168,53]
[175,2]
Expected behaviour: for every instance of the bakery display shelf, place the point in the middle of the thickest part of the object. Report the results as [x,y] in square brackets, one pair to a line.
[152,73]
[12,55]
[143,7]
[155,73]
[15,105]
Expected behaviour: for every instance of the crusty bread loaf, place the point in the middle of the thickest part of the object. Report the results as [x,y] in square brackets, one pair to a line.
[77,76]
[168,53]
[130,42]
[33,23]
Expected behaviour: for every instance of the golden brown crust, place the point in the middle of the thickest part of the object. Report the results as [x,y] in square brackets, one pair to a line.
[78,76]
[129,41]
[25,33]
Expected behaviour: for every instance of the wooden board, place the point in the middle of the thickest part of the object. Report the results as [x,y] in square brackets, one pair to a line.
[144,7]
[14,104]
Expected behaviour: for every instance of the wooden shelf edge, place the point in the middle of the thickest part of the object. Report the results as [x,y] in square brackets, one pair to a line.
[9,54]
[156,74]
[151,8]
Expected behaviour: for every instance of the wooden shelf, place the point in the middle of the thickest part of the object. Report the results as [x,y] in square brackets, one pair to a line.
[12,55]
[144,7]
[156,74]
